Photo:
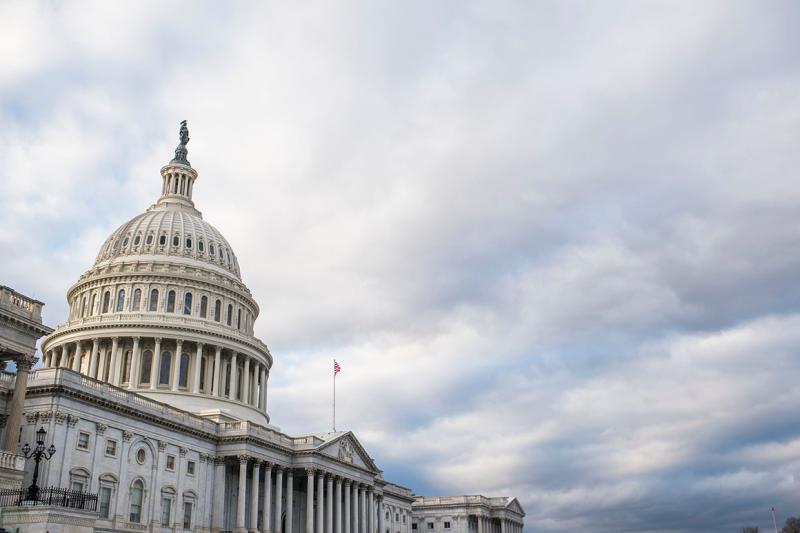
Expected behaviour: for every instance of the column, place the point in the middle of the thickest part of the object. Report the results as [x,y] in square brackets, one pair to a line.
[262,370]
[338,499]
[289,502]
[356,514]
[309,500]
[176,365]
[264,391]
[329,506]
[155,366]
[196,369]
[243,459]
[93,358]
[502,525]
[76,361]
[14,421]
[233,376]
[113,373]
[480,524]
[246,380]
[266,522]
[320,501]
[216,382]
[254,496]
[362,504]
[219,493]
[278,498]
[371,510]
[346,506]
[380,515]
[133,379]
[64,356]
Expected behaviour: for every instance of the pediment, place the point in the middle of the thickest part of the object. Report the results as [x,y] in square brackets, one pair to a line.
[347,449]
[515,506]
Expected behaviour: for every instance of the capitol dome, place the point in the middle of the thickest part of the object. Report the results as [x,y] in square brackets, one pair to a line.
[164,312]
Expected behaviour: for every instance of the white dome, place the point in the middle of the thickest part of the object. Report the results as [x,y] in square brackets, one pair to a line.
[170,230]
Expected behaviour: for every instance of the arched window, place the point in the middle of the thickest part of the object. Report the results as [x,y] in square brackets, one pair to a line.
[153,300]
[163,376]
[187,303]
[147,364]
[121,301]
[91,307]
[137,495]
[106,301]
[171,302]
[211,249]
[176,240]
[203,306]
[184,370]
[217,310]
[83,307]
[126,366]
[239,319]
[137,240]
[162,240]
[202,373]
[200,246]
[230,314]
[149,239]
[189,242]
[137,300]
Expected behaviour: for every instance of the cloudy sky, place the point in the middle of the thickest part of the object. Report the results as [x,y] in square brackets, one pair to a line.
[554,245]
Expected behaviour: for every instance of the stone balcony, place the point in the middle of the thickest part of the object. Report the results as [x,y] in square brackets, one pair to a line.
[17,303]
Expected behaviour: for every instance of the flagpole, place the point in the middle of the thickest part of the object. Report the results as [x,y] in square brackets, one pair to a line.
[334,402]
[774,523]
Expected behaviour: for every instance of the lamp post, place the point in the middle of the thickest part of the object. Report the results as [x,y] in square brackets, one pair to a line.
[37,453]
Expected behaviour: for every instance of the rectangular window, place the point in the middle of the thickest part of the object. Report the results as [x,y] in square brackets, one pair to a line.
[190,468]
[187,515]
[404,519]
[447,525]
[77,486]
[170,462]
[105,501]
[166,508]
[413,527]
[111,448]
[83,440]
[430,525]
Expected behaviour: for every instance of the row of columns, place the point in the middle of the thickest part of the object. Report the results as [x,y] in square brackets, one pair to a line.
[342,505]
[502,525]
[221,369]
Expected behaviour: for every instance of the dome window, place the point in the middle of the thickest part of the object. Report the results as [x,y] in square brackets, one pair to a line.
[106,301]
[211,248]
[153,301]
[217,310]
[176,240]
[183,370]
[91,306]
[203,306]
[229,319]
[171,302]
[189,242]
[125,241]
[147,363]
[121,301]
[163,377]
[187,303]
[149,239]
[137,300]
[162,240]
[200,246]
[239,319]
[137,240]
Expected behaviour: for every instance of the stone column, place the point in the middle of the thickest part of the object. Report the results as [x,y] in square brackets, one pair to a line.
[362,504]
[217,368]
[133,379]
[254,496]
[76,361]
[309,500]
[196,369]
[113,372]
[262,371]
[246,380]
[329,506]
[233,376]
[93,358]
[219,494]
[356,514]
[502,525]
[480,524]
[64,357]
[320,501]
[14,420]
[380,514]
[266,522]
[243,460]
[264,392]
[155,365]
[347,490]
[176,365]
[278,498]
[371,510]
[338,499]
[289,502]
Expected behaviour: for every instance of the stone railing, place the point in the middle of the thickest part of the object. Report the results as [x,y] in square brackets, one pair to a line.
[244,427]
[450,500]
[20,304]
[160,319]
[11,461]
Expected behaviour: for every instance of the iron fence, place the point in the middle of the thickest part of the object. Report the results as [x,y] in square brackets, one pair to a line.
[54,496]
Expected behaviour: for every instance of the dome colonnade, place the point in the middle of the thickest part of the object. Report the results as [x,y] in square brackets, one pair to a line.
[163,311]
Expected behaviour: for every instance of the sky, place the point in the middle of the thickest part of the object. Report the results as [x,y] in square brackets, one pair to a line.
[553,245]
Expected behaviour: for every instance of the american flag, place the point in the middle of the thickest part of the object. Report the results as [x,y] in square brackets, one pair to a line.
[336,367]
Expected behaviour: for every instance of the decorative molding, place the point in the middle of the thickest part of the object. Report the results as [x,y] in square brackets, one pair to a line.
[183,451]
[243,459]
[100,427]
[127,435]
[162,445]
[72,420]
[60,417]
[346,451]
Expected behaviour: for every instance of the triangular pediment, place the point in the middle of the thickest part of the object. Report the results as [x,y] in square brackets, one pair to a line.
[515,506]
[347,449]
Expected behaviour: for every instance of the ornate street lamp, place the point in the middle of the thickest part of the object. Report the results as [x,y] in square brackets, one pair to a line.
[37,453]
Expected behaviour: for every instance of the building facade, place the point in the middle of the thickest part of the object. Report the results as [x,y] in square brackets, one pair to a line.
[154,391]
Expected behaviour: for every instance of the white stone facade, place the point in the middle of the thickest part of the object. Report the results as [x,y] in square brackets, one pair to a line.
[154,392]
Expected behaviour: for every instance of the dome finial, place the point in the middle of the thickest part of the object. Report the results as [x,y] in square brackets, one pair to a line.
[181,152]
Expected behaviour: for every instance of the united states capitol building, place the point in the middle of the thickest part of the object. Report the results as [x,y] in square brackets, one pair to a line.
[154,391]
